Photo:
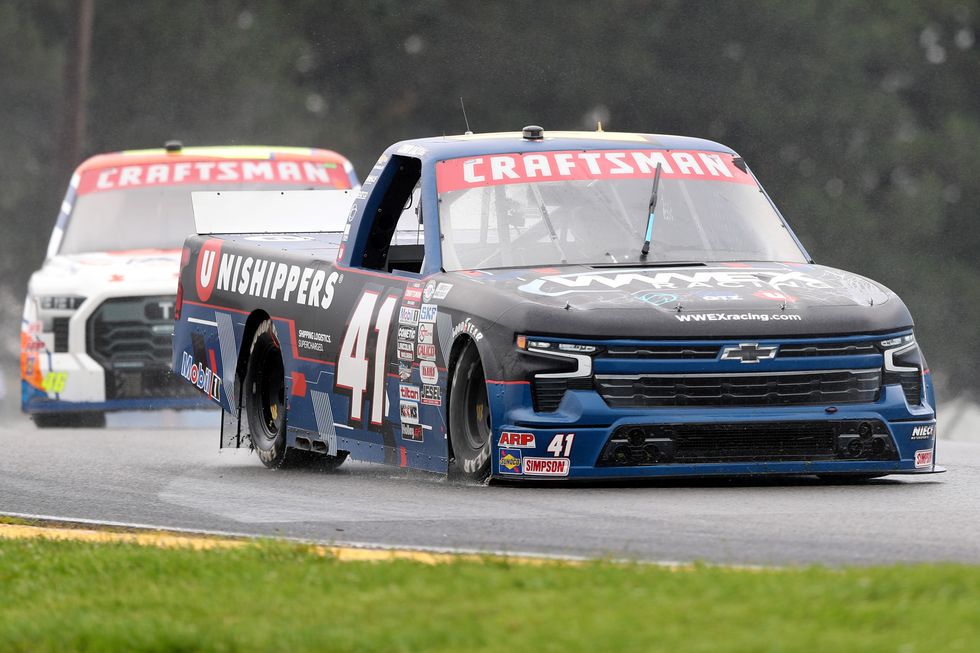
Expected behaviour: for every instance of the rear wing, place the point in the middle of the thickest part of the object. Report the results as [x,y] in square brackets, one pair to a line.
[271,211]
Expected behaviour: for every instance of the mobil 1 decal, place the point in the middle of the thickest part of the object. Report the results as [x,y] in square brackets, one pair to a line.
[363,358]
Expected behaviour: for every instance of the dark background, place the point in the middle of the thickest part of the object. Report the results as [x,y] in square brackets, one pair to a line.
[860,118]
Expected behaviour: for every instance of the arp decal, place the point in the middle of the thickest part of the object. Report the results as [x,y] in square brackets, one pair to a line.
[509,461]
[547,466]
[518,440]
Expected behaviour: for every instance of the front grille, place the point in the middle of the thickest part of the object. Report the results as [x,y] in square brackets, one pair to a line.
[661,352]
[748,442]
[132,333]
[131,338]
[548,392]
[740,389]
[60,327]
[827,349]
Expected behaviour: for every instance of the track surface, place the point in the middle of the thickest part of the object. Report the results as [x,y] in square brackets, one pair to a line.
[178,478]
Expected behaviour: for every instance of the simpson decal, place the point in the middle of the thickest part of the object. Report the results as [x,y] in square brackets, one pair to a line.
[923,458]
[495,169]
[547,466]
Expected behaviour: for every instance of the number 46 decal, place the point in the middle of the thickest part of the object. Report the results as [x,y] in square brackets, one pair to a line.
[352,366]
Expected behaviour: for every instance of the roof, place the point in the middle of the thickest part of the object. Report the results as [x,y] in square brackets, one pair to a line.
[447,147]
[210,153]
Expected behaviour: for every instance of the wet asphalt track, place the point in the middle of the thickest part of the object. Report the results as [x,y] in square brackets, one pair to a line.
[177,477]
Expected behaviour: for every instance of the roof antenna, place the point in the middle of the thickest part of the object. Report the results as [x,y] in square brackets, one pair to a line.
[463,107]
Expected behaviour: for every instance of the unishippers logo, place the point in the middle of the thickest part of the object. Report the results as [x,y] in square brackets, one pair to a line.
[207,268]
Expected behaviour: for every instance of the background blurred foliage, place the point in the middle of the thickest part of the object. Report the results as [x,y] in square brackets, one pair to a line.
[860,118]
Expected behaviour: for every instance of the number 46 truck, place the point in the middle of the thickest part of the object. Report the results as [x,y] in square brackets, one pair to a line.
[534,306]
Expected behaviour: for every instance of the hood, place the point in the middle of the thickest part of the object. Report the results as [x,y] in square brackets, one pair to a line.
[84,274]
[691,301]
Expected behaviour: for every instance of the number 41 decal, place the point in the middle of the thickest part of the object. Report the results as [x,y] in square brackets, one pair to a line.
[561,445]
[352,366]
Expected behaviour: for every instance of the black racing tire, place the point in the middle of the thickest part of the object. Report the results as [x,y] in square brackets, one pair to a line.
[86,420]
[470,427]
[264,392]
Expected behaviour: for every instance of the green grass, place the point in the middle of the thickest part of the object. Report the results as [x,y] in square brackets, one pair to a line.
[69,596]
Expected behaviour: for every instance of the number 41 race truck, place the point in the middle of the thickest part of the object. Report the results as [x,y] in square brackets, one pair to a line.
[546,306]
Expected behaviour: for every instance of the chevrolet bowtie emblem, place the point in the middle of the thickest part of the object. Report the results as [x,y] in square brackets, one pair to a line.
[749,352]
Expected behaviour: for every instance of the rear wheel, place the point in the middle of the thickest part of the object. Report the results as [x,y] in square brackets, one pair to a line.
[88,420]
[265,407]
[469,419]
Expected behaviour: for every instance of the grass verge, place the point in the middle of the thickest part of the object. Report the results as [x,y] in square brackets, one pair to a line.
[81,596]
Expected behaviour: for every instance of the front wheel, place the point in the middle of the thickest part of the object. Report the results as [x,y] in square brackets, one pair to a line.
[469,419]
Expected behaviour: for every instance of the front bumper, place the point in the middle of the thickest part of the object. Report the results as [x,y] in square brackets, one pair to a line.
[534,445]
[60,373]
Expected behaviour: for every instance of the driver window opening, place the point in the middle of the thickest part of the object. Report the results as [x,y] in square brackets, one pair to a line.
[395,243]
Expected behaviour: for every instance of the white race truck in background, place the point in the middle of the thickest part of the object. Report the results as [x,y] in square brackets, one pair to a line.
[98,317]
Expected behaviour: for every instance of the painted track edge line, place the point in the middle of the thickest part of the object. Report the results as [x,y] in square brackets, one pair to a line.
[393,550]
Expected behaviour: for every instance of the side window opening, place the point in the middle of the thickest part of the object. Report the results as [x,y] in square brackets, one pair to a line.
[395,240]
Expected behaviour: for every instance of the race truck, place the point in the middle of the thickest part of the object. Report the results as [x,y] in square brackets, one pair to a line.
[98,318]
[561,306]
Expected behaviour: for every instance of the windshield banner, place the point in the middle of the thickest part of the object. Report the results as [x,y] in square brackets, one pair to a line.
[496,169]
[279,172]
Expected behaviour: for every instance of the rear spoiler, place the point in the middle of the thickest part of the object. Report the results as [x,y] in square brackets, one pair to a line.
[271,211]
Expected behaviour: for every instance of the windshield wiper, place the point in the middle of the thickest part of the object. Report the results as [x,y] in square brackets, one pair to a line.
[653,208]
[547,220]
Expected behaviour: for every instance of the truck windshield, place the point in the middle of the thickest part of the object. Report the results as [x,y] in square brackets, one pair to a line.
[148,206]
[591,208]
